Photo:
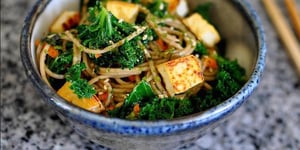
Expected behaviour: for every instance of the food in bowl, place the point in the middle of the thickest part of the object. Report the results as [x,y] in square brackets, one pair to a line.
[137,60]
[242,38]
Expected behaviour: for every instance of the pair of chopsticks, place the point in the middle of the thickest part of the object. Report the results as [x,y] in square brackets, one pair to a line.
[284,30]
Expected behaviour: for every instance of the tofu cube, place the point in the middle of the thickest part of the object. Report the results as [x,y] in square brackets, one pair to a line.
[123,10]
[204,31]
[181,74]
[66,21]
[92,104]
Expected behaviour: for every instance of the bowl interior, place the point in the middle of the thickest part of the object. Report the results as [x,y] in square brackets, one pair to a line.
[235,29]
[236,22]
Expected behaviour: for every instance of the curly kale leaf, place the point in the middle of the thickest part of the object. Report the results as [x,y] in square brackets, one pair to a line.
[130,55]
[158,109]
[126,56]
[60,63]
[183,107]
[148,35]
[200,49]
[80,86]
[99,32]
[152,107]
[158,8]
[166,108]
[103,28]
[74,72]
[140,93]
[230,78]
[236,72]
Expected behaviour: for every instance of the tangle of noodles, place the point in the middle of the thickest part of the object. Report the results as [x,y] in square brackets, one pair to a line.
[114,81]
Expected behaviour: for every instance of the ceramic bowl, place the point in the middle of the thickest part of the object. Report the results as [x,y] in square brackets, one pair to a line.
[239,26]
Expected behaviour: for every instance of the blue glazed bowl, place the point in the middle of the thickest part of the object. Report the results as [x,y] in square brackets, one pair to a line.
[237,23]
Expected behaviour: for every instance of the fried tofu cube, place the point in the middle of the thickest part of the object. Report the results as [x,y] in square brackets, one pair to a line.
[123,10]
[181,74]
[92,104]
[203,30]
[66,21]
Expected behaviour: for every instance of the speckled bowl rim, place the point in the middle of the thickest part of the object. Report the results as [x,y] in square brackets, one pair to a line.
[145,128]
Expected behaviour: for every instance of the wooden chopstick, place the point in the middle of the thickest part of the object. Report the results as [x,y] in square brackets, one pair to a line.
[284,31]
[291,6]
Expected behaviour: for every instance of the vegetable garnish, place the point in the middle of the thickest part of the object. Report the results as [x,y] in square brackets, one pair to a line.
[104,29]
[200,49]
[79,85]
[163,46]
[229,79]
[159,8]
[142,103]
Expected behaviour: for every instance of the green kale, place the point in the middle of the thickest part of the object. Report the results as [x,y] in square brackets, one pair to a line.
[80,86]
[200,49]
[126,56]
[60,63]
[122,27]
[130,55]
[165,108]
[148,35]
[104,29]
[74,72]
[230,78]
[233,68]
[203,10]
[140,93]
[226,85]
[107,59]
[101,29]
[151,107]
[158,8]
[183,107]
[158,109]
